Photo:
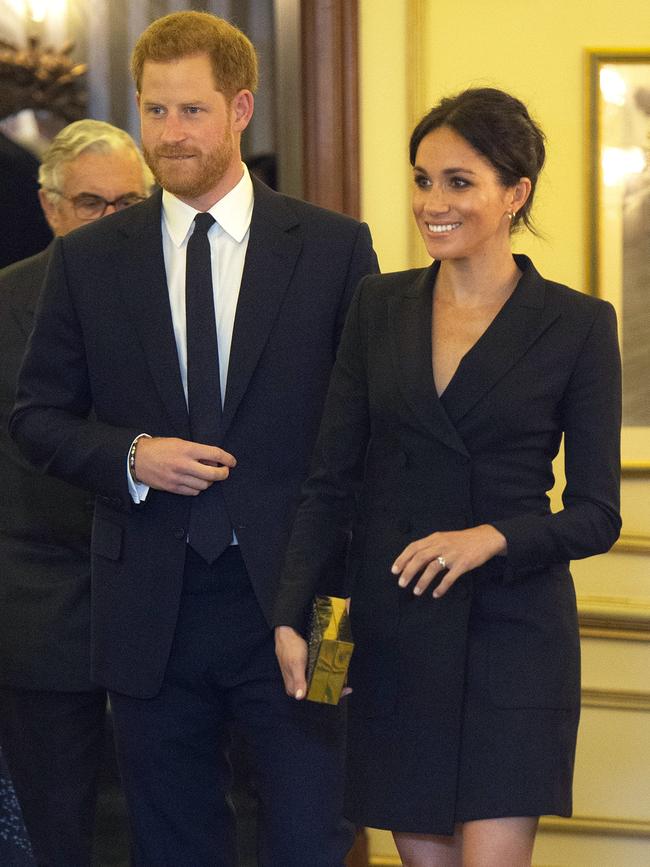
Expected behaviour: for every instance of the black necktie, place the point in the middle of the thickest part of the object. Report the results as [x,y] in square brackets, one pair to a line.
[210,530]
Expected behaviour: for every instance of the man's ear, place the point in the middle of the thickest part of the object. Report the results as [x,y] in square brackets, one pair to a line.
[242,106]
[50,210]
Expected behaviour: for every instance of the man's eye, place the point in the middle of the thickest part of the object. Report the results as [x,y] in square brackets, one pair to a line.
[89,201]
[128,201]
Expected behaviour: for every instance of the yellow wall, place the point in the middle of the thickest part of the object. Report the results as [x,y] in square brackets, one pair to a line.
[533,48]
[384,80]
[412,53]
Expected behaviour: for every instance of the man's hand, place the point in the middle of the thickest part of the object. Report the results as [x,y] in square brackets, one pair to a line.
[291,651]
[180,466]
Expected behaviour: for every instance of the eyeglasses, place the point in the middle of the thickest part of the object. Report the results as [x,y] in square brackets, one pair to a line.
[89,207]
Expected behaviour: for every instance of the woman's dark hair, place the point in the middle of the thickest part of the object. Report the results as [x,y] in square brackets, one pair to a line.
[499,127]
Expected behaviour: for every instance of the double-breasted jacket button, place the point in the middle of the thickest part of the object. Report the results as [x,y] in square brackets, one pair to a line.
[180,533]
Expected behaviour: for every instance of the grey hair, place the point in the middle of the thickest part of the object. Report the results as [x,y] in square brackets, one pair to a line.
[95,136]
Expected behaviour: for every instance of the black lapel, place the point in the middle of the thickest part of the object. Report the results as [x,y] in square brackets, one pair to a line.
[24,318]
[270,262]
[519,323]
[410,317]
[144,286]
[24,299]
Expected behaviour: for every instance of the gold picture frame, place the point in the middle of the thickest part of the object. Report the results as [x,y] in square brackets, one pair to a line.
[618,141]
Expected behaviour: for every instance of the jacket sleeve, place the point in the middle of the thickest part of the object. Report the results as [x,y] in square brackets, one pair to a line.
[317,551]
[590,414]
[50,421]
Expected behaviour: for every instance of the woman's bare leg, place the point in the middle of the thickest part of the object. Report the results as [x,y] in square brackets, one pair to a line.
[483,843]
[427,850]
[497,842]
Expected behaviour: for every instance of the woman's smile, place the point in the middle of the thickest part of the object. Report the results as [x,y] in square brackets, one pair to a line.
[442,228]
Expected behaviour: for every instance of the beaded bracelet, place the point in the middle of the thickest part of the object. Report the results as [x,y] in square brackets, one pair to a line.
[132,451]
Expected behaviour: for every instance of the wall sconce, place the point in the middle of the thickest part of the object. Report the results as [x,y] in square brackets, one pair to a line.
[38,10]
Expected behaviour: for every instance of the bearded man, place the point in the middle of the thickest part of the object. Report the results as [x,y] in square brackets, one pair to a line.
[200,327]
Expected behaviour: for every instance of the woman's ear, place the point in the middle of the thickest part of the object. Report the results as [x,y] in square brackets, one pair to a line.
[520,194]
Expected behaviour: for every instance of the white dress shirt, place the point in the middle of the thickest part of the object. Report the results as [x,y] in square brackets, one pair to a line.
[228,239]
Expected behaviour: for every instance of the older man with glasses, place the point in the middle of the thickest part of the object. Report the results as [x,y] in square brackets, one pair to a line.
[51,716]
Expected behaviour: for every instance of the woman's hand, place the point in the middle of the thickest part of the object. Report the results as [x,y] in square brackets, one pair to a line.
[291,651]
[456,552]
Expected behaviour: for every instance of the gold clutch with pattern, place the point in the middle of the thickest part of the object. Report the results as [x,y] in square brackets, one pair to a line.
[330,649]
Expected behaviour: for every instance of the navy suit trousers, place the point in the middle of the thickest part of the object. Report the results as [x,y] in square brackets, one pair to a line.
[173,748]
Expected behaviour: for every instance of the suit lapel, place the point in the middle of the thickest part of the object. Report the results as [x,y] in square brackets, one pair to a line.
[24,319]
[410,316]
[270,262]
[24,300]
[519,323]
[145,292]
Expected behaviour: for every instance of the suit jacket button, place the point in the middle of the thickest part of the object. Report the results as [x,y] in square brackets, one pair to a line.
[180,533]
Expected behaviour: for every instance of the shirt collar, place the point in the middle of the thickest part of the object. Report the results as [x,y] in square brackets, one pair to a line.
[232,212]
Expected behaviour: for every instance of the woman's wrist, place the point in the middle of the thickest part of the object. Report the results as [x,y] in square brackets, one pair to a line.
[498,543]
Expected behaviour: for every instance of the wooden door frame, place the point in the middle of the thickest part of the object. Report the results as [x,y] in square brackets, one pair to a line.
[330,102]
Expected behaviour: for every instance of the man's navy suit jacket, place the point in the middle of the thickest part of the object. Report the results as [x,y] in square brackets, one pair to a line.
[103,340]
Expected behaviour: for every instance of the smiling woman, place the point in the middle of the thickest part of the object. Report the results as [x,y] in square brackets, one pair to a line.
[469,194]
[499,131]
[452,390]
[460,199]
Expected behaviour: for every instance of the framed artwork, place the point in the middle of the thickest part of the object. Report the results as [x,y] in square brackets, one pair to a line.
[619,224]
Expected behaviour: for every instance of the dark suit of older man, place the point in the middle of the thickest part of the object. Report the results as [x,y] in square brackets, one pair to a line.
[44,529]
[52,719]
[52,716]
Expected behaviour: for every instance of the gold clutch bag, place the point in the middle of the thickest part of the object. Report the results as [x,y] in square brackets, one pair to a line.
[330,649]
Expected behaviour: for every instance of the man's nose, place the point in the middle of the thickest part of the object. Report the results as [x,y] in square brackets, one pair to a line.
[172,129]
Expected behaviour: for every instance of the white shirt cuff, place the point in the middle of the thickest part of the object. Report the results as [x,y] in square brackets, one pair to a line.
[138,490]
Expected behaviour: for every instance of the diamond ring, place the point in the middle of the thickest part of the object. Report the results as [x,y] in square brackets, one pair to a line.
[442,561]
